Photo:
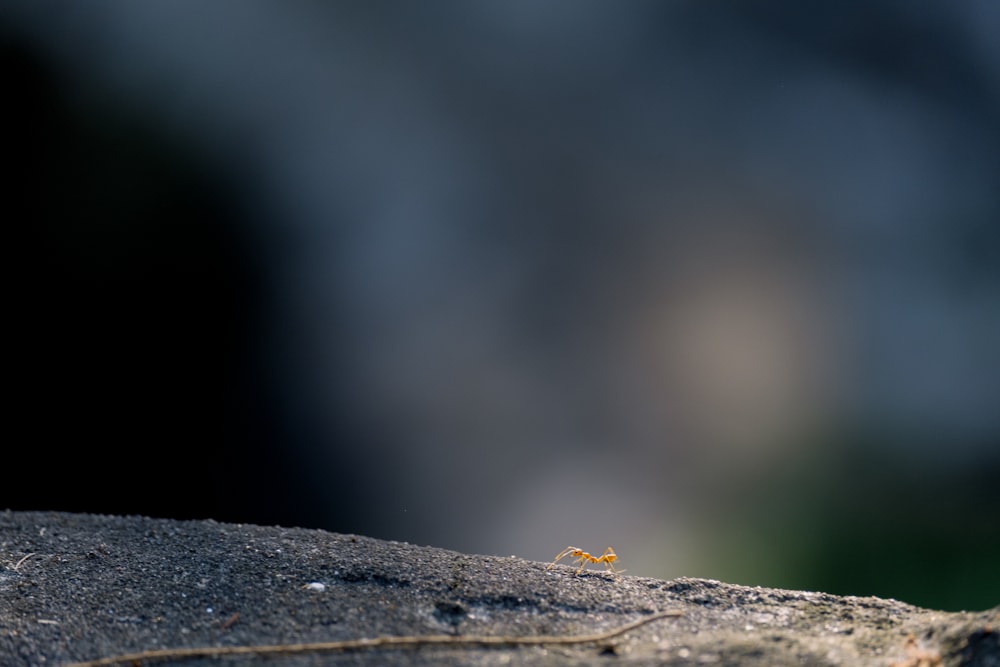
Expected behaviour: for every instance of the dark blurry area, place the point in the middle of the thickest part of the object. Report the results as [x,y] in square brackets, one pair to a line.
[134,298]
[716,284]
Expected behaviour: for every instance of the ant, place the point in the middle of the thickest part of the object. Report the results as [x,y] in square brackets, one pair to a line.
[582,557]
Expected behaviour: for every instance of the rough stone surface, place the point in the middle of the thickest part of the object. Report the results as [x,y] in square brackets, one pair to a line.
[75,588]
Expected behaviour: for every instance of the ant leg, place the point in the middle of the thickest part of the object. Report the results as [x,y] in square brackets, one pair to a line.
[562,554]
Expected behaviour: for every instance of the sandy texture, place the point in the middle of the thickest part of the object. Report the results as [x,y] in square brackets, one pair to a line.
[76,588]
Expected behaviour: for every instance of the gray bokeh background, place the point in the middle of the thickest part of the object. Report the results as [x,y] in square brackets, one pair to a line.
[717,284]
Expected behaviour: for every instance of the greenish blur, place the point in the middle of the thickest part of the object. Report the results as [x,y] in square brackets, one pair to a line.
[848,518]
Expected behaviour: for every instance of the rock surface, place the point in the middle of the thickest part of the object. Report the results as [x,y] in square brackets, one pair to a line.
[78,588]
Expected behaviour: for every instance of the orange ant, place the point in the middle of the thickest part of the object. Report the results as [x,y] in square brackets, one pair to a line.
[582,557]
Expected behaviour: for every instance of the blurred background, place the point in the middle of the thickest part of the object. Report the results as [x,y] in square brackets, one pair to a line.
[717,284]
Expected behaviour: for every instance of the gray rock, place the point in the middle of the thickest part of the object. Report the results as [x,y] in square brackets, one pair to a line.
[77,588]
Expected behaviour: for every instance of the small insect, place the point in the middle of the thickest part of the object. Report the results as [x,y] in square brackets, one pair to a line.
[582,557]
